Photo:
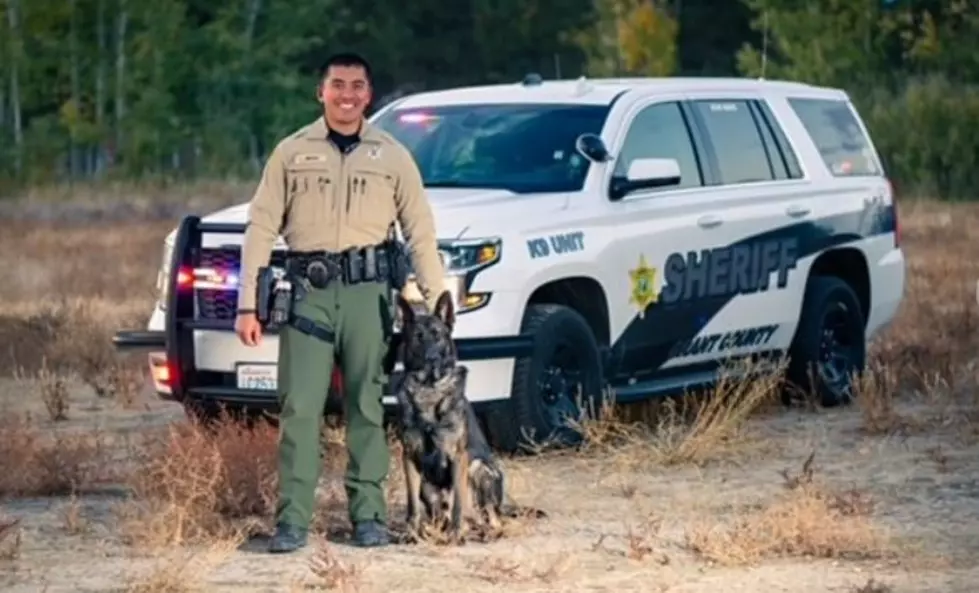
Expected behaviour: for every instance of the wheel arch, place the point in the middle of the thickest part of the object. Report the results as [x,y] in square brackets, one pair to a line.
[849,264]
[581,293]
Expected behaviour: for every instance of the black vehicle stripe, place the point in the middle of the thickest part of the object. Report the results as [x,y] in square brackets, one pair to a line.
[646,343]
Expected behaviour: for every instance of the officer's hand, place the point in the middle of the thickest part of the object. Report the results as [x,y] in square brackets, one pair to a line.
[248,329]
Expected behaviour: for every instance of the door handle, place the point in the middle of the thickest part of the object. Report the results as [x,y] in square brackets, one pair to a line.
[709,221]
[795,210]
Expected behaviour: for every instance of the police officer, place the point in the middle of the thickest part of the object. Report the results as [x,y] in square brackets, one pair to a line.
[331,189]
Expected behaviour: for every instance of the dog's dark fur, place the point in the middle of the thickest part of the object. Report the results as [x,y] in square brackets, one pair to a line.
[446,457]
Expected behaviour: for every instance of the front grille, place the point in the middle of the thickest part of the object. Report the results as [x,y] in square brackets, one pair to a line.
[223,304]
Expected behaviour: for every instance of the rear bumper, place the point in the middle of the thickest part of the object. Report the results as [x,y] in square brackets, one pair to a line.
[890,274]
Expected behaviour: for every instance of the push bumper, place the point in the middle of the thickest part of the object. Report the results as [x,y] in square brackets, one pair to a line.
[176,342]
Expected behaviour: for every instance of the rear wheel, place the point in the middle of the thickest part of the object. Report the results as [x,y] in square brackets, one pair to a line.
[830,345]
[563,371]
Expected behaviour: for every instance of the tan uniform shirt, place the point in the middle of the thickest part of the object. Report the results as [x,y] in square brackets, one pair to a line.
[320,199]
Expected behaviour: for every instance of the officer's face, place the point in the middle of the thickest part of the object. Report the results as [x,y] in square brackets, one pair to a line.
[345,93]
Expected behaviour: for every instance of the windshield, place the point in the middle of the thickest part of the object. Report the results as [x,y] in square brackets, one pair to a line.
[522,148]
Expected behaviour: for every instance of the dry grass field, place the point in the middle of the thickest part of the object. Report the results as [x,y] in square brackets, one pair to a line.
[104,488]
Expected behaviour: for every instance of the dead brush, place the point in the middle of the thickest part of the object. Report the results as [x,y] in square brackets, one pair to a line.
[498,571]
[874,391]
[87,349]
[808,520]
[328,572]
[640,538]
[873,586]
[193,484]
[72,519]
[694,429]
[125,383]
[27,338]
[50,386]
[184,570]
[638,543]
[54,393]
[71,335]
[35,462]
[937,329]
[10,539]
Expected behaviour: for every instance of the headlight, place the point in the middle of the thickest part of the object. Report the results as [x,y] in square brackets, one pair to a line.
[459,257]
[163,276]
[462,260]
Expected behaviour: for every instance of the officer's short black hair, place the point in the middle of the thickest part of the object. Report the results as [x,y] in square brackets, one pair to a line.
[347,59]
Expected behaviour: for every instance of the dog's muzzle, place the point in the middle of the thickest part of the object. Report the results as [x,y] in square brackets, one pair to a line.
[433,355]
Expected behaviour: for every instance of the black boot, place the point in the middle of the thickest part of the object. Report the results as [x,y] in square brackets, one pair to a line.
[370,534]
[287,538]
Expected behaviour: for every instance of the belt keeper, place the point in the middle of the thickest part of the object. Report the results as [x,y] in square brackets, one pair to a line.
[370,264]
[354,266]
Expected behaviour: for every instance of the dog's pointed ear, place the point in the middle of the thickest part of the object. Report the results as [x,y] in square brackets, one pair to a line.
[444,309]
[407,312]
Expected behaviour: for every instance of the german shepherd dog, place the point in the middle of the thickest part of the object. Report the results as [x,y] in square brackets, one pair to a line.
[447,459]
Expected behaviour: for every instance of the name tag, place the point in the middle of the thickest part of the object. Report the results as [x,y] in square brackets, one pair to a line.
[309,157]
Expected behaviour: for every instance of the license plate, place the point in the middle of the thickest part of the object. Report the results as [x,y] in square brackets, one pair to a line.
[258,377]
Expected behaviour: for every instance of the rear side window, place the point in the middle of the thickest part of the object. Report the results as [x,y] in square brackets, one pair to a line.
[785,152]
[834,129]
[742,156]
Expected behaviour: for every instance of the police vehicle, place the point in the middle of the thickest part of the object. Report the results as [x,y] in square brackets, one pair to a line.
[623,235]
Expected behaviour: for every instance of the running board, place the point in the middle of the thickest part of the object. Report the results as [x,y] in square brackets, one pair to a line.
[678,385]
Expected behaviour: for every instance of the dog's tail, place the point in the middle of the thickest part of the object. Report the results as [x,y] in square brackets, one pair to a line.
[491,485]
[489,481]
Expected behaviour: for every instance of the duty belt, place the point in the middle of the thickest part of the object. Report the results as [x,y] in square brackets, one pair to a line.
[356,265]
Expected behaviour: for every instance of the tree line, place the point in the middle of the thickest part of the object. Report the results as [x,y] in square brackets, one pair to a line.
[132,89]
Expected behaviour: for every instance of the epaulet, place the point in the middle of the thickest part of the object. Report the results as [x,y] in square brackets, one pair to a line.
[300,133]
[383,137]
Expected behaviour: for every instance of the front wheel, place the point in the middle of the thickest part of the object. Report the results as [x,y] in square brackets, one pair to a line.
[830,346]
[563,370]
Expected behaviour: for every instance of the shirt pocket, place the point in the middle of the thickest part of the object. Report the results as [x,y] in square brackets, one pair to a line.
[370,199]
[310,194]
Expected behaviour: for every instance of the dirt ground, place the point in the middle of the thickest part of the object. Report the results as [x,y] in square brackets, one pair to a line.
[105,488]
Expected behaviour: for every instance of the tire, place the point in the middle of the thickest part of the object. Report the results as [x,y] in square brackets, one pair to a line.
[533,414]
[830,340]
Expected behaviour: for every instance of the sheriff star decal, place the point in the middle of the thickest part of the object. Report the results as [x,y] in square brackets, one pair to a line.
[643,280]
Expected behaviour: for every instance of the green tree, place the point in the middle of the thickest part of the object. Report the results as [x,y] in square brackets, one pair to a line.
[831,42]
[630,38]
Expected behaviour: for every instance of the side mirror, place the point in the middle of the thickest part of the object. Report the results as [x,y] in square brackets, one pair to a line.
[645,174]
[592,147]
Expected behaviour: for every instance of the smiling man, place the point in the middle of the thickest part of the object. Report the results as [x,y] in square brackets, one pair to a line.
[333,190]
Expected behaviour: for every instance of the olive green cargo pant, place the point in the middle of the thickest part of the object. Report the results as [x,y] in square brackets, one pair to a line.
[359,317]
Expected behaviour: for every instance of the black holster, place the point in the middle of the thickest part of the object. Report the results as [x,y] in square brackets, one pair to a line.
[273,303]
[277,290]
[399,260]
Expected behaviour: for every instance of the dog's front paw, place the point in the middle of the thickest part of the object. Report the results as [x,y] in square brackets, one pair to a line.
[411,537]
[413,521]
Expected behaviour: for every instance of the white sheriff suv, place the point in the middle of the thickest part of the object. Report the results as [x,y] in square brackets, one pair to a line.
[619,234]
